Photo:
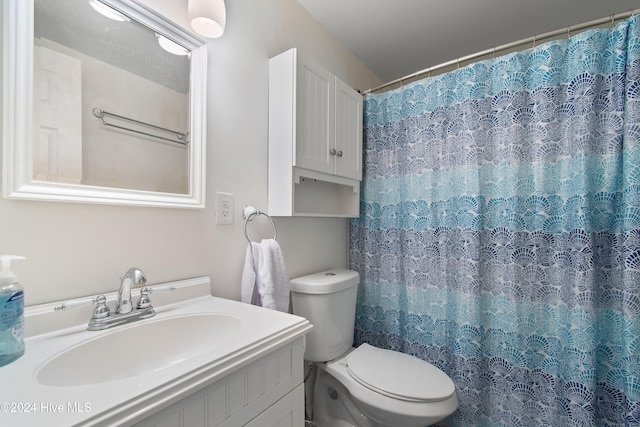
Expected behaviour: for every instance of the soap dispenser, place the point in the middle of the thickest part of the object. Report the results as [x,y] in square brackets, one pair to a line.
[11,313]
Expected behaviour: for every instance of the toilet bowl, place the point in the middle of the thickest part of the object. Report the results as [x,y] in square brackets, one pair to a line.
[384,387]
[364,386]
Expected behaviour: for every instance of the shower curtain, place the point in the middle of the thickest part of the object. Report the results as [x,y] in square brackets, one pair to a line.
[499,234]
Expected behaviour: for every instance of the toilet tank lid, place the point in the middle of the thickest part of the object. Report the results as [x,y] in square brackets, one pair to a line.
[325,282]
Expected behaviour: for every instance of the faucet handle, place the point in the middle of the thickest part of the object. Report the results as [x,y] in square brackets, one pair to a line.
[145,300]
[102,310]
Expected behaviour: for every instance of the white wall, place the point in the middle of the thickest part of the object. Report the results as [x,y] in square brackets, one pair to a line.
[75,249]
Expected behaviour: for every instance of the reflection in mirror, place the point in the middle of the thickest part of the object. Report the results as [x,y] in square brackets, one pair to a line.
[117,105]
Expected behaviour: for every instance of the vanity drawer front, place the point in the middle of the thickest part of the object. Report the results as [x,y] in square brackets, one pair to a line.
[286,412]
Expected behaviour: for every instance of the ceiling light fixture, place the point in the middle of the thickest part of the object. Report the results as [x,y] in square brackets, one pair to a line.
[208,17]
[171,46]
[108,11]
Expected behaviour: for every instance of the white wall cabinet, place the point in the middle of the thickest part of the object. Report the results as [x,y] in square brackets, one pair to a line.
[348,120]
[315,140]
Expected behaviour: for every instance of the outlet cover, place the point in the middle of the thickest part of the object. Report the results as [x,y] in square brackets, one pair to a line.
[224,208]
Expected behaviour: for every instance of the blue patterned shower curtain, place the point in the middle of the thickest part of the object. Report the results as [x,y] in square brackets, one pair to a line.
[499,236]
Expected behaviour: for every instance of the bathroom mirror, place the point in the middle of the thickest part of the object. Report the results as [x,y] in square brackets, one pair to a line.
[103,102]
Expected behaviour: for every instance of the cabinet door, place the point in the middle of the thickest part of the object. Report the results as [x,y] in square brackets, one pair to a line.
[348,119]
[315,130]
[287,412]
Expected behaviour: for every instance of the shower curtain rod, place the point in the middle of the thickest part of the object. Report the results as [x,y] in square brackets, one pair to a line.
[493,51]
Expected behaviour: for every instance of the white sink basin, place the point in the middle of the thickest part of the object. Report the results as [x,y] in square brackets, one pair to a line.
[143,347]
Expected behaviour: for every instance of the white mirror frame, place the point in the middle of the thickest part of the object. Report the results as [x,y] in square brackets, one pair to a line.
[17,79]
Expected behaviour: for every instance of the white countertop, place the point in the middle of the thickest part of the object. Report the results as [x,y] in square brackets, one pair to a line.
[26,402]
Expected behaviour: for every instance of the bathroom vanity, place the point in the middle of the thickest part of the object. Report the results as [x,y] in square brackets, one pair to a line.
[199,361]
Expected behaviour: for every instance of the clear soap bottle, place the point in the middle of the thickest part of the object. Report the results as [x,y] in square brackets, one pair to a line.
[11,313]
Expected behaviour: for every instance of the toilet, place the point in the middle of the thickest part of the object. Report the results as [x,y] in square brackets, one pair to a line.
[364,386]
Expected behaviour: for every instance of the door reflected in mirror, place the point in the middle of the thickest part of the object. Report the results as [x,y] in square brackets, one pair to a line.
[117,108]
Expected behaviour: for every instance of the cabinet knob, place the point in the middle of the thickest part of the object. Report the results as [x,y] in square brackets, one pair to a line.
[332,152]
[340,153]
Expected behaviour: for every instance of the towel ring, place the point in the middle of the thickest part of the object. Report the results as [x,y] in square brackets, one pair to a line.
[248,212]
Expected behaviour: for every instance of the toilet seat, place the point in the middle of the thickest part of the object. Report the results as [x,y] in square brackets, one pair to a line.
[398,375]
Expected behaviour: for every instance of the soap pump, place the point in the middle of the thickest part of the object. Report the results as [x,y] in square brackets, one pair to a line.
[11,312]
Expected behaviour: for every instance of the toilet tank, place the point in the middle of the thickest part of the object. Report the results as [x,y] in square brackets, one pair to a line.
[328,300]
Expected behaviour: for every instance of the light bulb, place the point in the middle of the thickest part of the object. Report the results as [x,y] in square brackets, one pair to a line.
[208,17]
[171,46]
[108,12]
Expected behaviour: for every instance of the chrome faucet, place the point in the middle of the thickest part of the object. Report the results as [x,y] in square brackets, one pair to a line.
[133,278]
[125,312]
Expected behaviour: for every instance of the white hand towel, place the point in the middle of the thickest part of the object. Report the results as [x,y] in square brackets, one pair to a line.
[249,276]
[265,280]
